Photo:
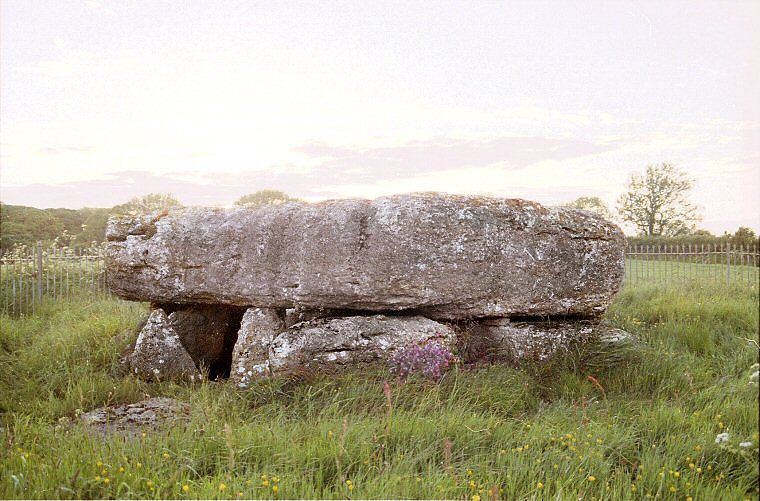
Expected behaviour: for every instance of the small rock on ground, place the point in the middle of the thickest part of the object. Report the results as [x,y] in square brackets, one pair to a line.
[148,413]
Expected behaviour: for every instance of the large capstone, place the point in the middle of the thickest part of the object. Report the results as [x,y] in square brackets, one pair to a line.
[327,344]
[442,256]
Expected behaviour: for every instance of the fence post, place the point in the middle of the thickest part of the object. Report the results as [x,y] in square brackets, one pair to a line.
[728,265]
[39,270]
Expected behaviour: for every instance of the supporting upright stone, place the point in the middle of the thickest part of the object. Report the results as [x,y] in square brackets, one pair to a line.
[328,344]
[159,355]
[502,340]
[250,357]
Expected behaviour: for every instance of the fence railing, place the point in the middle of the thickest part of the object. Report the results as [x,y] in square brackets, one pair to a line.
[28,278]
[39,274]
[728,264]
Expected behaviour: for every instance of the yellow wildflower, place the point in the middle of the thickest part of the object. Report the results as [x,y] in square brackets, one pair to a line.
[106,481]
[540,485]
[265,483]
[275,488]
[166,455]
[185,488]
[222,487]
[591,478]
[475,498]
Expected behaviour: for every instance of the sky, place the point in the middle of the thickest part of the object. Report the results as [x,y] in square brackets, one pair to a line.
[102,101]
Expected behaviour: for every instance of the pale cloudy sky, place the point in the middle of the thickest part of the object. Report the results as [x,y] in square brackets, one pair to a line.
[105,100]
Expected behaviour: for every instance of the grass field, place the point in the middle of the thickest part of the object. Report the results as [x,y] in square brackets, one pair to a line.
[647,430]
[654,270]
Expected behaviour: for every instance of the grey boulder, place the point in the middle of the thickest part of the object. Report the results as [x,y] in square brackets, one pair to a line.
[159,355]
[442,256]
[327,344]
[508,341]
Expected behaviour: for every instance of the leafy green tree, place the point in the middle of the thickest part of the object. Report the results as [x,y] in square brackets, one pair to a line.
[264,197]
[657,204]
[744,236]
[593,204]
[27,225]
[148,203]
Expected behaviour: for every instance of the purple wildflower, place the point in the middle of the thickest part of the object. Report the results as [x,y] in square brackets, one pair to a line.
[431,359]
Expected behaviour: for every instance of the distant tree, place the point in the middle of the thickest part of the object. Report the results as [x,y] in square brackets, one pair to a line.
[26,225]
[656,203]
[593,204]
[701,233]
[744,236]
[148,203]
[264,197]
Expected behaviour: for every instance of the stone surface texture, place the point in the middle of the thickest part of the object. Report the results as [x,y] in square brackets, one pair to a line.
[159,354]
[329,344]
[208,333]
[146,413]
[502,340]
[250,358]
[442,256]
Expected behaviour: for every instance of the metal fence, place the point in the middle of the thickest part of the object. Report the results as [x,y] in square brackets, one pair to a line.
[35,275]
[31,276]
[720,263]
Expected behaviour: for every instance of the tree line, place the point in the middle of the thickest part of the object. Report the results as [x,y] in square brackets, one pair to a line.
[24,226]
[655,202]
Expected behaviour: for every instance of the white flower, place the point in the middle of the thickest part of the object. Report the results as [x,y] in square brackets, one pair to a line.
[745,444]
[755,375]
[721,437]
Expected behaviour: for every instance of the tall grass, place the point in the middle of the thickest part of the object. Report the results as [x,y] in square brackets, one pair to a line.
[644,424]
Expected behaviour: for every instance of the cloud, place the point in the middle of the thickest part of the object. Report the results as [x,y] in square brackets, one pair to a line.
[324,171]
[337,163]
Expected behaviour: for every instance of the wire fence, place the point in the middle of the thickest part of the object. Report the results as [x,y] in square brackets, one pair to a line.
[723,264]
[32,276]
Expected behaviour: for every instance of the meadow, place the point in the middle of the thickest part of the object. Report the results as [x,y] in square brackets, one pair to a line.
[639,420]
